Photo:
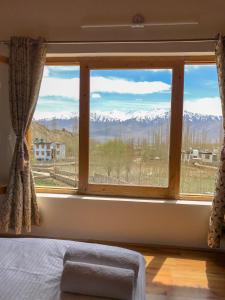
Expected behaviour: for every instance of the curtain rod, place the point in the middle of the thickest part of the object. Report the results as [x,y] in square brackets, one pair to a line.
[79,42]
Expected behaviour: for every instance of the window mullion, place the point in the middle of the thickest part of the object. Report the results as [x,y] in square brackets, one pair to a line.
[84,128]
[176,130]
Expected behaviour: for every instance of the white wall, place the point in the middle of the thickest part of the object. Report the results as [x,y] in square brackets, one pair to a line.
[174,223]
[95,218]
[134,221]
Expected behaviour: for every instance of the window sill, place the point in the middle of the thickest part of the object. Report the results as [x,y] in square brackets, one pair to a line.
[121,199]
[62,193]
[111,194]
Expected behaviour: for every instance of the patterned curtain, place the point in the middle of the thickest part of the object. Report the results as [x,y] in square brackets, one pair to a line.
[218,205]
[26,62]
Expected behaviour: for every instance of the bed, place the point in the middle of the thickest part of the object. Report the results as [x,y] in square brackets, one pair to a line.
[31,269]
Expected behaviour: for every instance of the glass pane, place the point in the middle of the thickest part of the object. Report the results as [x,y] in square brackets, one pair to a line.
[202,130]
[129,126]
[55,128]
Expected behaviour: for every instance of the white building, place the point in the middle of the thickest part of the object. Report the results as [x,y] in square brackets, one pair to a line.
[48,151]
[190,155]
[199,155]
[208,156]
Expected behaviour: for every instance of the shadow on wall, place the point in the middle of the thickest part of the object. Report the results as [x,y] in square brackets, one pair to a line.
[185,275]
[7,137]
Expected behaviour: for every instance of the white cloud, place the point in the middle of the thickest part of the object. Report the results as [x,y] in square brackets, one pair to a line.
[64,68]
[70,87]
[60,87]
[68,68]
[204,106]
[96,96]
[158,70]
[123,86]
[47,69]
[196,67]
[191,67]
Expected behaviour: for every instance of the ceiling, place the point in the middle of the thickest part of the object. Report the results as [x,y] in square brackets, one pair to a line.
[61,20]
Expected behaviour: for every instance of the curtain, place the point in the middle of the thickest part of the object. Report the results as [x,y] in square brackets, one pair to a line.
[26,63]
[218,206]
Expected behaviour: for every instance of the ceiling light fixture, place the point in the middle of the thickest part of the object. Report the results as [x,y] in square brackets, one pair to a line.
[138,21]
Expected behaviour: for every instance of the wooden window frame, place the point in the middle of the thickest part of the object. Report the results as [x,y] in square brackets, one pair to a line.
[176,63]
[171,191]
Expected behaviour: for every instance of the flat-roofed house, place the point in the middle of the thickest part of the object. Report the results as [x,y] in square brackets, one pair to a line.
[48,150]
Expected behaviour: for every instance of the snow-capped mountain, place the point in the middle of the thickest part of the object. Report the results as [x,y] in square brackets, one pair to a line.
[139,125]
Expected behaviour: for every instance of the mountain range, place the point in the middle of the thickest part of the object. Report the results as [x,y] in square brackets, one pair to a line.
[149,125]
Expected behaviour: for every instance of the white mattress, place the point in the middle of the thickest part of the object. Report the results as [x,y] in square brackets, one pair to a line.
[31,268]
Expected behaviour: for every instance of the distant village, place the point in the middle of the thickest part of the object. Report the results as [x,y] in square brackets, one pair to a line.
[196,155]
[48,151]
[52,163]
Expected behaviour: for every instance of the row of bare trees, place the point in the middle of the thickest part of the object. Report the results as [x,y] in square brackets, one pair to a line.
[117,157]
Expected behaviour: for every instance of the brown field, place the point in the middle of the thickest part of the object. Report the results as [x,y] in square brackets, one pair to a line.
[196,180]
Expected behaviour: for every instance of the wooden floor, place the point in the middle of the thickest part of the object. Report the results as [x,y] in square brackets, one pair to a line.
[183,275]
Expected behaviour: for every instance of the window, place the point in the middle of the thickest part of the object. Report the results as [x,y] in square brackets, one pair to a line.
[55,128]
[116,160]
[202,130]
[130,126]
[143,128]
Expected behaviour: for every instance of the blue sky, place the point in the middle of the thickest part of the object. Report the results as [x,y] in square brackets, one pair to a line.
[124,92]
